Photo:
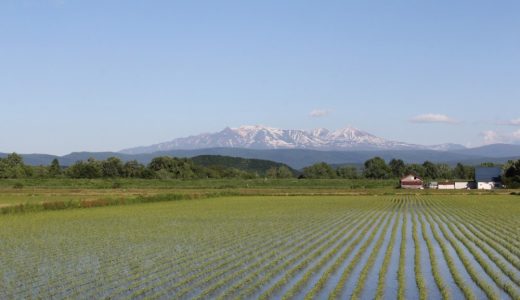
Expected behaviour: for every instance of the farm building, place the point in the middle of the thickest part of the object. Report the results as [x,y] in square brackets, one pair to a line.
[464,185]
[446,185]
[488,178]
[411,182]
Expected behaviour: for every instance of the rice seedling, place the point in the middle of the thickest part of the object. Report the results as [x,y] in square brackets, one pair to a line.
[261,246]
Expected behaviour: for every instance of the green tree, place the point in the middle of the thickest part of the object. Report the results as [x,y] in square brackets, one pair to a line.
[85,169]
[376,168]
[444,171]
[319,171]
[180,168]
[161,163]
[13,167]
[416,169]
[511,176]
[347,172]
[112,167]
[54,168]
[430,170]
[398,167]
[279,172]
[464,172]
[132,169]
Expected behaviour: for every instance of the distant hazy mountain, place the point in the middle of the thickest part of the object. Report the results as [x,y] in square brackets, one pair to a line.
[494,150]
[259,166]
[262,137]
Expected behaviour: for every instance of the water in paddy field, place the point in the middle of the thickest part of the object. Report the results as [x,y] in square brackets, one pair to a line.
[370,289]
[460,266]
[426,268]
[334,279]
[391,277]
[443,265]
[294,253]
[350,285]
[479,270]
[411,290]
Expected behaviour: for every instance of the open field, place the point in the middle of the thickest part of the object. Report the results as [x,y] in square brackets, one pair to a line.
[360,247]
[35,193]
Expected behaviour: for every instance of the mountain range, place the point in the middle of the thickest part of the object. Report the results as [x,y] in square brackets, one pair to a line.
[296,148]
[263,137]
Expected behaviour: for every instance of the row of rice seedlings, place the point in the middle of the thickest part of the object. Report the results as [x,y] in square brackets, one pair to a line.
[466,290]
[73,278]
[311,250]
[83,279]
[266,266]
[211,262]
[497,278]
[497,229]
[353,263]
[319,265]
[419,278]
[491,253]
[360,285]
[401,272]
[64,280]
[498,222]
[487,288]
[439,280]
[231,263]
[111,273]
[388,256]
[506,285]
[491,224]
[508,251]
[366,223]
[490,248]
[275,253]
[342,257]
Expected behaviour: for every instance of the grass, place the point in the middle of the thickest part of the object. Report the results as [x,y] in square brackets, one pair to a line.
[211,244]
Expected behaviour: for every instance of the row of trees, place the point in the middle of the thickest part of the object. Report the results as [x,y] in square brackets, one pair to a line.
[377,168]
[165,167]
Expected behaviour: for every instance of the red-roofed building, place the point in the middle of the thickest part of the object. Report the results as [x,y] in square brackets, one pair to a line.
[411,182]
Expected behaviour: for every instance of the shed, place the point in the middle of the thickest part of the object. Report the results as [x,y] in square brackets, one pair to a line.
[411,182]
[446,185]
[488,178]
[462,185]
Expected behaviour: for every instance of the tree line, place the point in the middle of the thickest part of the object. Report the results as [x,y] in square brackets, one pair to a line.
[377,168]
[165,167]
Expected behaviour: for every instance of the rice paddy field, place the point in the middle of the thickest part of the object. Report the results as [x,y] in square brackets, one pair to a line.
[268,247]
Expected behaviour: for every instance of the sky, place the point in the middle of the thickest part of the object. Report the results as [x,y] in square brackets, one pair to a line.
[107,75]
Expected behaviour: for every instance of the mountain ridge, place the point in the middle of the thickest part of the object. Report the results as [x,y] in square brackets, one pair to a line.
[265,137]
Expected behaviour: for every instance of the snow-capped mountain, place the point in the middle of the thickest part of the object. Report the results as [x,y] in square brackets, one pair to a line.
[263,137]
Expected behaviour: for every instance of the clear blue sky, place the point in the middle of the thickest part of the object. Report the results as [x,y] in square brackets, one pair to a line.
[106,75]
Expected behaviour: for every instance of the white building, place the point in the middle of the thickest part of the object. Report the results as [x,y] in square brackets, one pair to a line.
[488,178]
[447,185]
[411,182]
[462,185]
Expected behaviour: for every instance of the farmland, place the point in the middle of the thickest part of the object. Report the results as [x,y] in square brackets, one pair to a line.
[272,246]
